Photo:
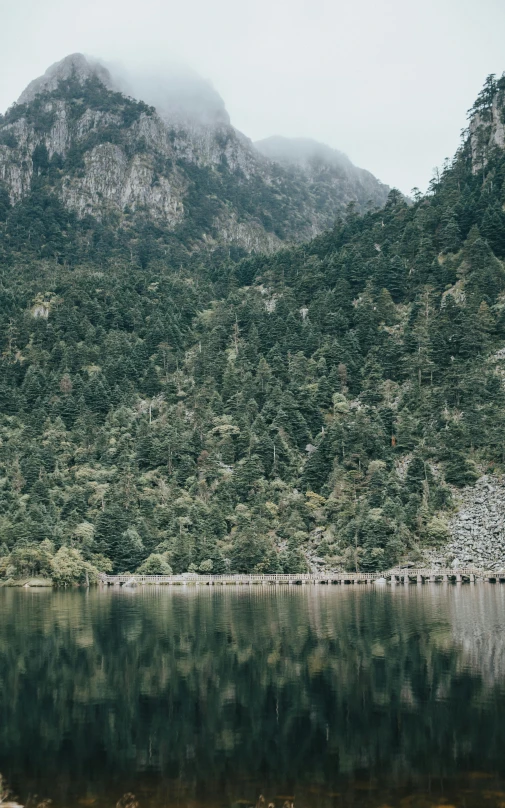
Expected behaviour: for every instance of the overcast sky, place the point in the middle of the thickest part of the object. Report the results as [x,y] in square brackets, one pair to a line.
[386,81]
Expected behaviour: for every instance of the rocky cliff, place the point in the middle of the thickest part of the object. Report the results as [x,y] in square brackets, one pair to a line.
[102,152]
[487,122]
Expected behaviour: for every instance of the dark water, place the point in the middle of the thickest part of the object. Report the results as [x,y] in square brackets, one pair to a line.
[324,695]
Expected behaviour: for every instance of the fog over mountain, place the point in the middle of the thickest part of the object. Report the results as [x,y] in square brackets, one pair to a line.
[300,151]
[129,143]
[177,92]
[84,67]
[386,83]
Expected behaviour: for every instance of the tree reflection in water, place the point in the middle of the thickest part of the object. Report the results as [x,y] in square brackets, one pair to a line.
[211,696]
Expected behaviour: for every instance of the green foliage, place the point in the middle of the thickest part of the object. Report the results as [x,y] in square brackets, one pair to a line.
[155,564]
[90,94]
[249,415]
[68,567]
[31,560]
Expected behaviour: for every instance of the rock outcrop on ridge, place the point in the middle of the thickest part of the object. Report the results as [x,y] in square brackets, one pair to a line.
[183,165]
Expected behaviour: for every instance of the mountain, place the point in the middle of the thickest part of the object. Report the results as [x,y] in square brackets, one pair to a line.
[321,164]
[181,165]
[322,406]
[76,67]
[180,96]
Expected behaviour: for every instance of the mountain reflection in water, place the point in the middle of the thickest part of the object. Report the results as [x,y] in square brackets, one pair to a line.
[321,695]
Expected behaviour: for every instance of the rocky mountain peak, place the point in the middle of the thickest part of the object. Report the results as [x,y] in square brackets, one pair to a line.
[180,95]
[76,65]
[161,145]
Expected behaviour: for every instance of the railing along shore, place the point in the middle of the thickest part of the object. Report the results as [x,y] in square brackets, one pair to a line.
[394,576]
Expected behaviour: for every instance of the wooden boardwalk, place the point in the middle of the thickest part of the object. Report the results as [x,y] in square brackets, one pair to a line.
[394,576]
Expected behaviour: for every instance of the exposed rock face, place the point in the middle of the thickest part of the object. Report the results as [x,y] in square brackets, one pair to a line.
[110,175]
[183,165]
[478,529]
[487,127]
[76,65]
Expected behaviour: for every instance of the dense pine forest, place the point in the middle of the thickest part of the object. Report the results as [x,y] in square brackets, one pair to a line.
[166,407]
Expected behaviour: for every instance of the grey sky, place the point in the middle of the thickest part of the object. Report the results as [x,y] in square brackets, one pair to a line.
[386,81]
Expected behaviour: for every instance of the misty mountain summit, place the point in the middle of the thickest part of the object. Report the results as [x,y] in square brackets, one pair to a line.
[76,66]
[180,95]
[109,144]
[316,159]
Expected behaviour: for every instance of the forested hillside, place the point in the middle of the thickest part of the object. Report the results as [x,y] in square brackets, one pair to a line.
[314,407]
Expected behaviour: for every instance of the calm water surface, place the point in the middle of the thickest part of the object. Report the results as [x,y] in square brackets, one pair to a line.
[322,696]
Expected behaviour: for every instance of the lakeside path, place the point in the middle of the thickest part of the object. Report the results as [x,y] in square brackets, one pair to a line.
[394,576]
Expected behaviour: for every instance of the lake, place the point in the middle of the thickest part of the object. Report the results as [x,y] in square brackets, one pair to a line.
[317,696]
